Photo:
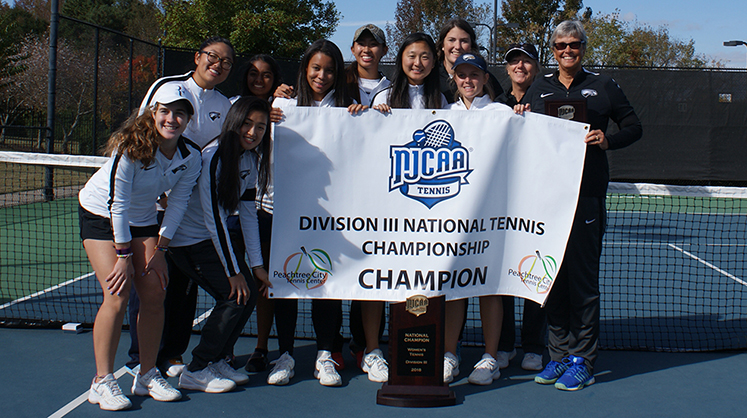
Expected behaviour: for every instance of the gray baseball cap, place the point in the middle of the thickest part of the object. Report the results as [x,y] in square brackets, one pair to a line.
[375,31]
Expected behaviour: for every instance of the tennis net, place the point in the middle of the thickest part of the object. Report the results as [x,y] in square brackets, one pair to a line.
[672,275]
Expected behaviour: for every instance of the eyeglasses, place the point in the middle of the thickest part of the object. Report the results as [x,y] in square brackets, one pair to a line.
[561,46]
[214,58]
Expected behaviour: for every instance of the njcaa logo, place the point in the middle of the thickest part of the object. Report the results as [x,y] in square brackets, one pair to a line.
[432,167]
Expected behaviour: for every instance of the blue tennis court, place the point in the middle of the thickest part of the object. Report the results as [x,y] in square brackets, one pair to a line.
[48,372]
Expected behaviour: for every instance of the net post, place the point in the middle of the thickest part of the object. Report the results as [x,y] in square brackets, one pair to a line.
[54,21]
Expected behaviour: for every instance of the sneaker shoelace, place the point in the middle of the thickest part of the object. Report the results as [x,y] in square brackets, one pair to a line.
[282,364]
[157,379]
[488,363]
[329,366]
[578,372]
[224,369]
[213,372]
[112,386]
[379,363]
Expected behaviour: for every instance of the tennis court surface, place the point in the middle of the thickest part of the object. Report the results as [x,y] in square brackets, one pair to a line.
[45,370]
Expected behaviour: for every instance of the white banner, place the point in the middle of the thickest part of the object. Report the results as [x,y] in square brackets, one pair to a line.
[383,207]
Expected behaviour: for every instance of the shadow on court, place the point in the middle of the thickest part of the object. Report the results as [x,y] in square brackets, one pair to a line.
[45,370]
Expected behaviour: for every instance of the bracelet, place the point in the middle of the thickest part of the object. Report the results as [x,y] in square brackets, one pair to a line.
[125,256]
[123,251]
[162,248]
[257,267]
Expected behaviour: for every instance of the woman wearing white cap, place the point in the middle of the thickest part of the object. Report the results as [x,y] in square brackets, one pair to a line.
[124,242]
[474,92]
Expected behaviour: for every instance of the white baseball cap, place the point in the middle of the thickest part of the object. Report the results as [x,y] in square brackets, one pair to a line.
[174,91]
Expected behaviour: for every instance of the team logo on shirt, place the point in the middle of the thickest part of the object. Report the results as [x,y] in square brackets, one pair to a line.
[307,269]
[214,115]
[432,167]
[180,168]
[588,92]
[536,271]
[244,173]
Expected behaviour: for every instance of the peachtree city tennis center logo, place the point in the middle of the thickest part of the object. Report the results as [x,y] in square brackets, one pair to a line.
[537,272]
[432,167]
[308,269]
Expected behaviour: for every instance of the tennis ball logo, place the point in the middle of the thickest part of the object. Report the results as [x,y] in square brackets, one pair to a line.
[538,272]
[309,269]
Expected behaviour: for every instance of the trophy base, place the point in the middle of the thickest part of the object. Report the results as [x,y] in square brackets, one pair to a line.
[415,396]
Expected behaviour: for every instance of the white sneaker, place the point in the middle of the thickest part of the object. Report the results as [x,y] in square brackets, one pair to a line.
[377,368]
[108,395]
[451,367]
[155,386]
[503,357]
[532,361]
[205,380]
[325,369]
[282,371]
[486,370]
[225,370]
[175,367]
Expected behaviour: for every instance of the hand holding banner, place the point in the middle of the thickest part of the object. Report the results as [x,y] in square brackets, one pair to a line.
[460,203]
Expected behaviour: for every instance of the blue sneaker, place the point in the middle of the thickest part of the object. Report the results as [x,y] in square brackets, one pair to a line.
[553,371]
[576,377]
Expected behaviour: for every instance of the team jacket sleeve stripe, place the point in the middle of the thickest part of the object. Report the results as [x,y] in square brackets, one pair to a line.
[215,218]
[120,195]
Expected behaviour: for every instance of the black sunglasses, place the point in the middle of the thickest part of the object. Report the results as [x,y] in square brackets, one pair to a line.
[561,46]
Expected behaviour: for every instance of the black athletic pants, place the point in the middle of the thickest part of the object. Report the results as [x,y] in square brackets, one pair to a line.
[573,304]
[223,327]
[533,327]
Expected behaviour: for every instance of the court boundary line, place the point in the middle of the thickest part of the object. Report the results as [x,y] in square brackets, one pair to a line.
[47,290]
[712,266]
[80,400]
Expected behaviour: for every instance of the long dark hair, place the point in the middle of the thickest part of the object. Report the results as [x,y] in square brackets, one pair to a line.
[352,77]
[229,151]
[399,96]
[277,76]
[304,94]
[462,24]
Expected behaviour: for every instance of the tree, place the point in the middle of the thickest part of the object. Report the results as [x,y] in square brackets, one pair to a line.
[12,24]
[137,18]
[536,20]
[622,43]
[74,75]
[429,16]
[283,28]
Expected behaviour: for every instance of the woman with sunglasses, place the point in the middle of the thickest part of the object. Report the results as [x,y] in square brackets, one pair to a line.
[573,304]
[522,66]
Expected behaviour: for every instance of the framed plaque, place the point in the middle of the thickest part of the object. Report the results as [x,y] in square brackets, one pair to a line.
[574,110]
[416,353]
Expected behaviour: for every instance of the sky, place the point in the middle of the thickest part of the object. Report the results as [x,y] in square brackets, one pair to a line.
[708,23]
